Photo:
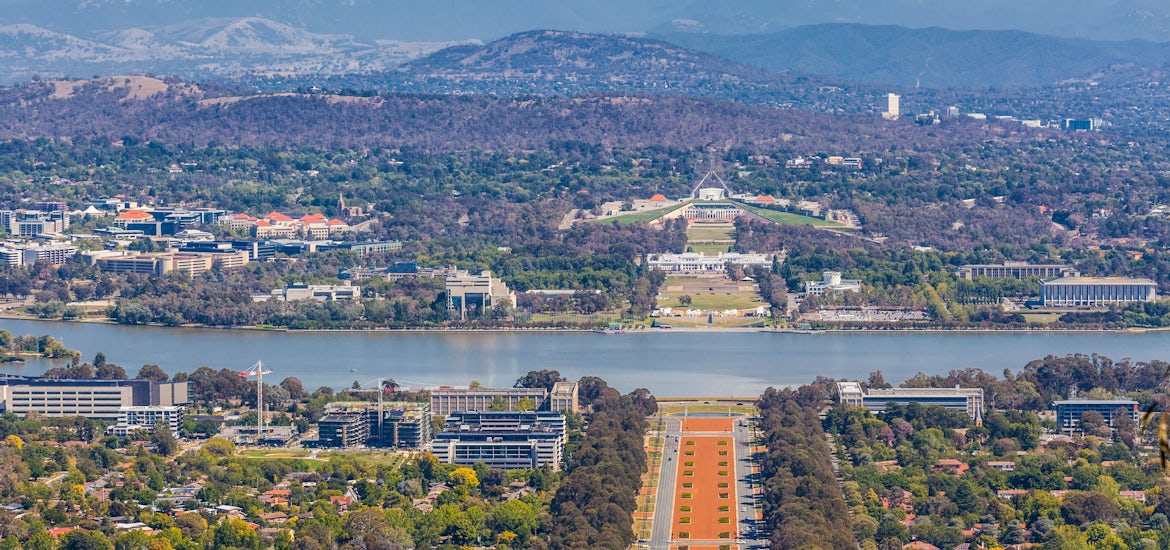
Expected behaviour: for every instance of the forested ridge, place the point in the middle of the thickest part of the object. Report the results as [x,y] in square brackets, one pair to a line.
[445,123]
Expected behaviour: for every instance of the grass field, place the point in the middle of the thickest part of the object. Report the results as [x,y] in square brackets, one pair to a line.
[697,407]
[717,300]
[1041,318]
[702,233]
[787,218]
[710,249]
[635,217]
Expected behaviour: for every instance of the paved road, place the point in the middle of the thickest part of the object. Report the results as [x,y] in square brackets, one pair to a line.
[745,487]
[664,506]
[745,499]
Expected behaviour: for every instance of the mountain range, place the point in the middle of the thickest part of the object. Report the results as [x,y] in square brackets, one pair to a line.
[205,48]
[931,57]
[567,62]
[447,20]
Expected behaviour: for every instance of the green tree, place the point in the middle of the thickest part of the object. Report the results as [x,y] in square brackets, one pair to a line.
[163,439]
[234,533]
[85,540]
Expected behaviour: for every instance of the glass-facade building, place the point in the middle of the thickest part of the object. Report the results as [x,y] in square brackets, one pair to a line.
[1068,412]
[502,439]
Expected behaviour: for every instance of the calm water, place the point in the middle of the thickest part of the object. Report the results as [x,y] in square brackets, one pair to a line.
[679,363]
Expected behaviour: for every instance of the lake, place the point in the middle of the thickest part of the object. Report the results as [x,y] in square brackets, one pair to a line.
[668,363]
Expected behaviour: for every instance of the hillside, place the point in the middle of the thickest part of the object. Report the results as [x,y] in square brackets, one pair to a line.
[150,110]
[931,57]
[565,62]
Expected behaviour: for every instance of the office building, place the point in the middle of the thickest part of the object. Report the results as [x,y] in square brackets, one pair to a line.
[161,263]
[968,400]
[136,419]
[99,399]
[18,254]
[893,107]
[698,262]
[448,401]
[343,429]
[831,282]
[404,425]
[1068,412]
[563,397]
[29,223]
[320,293]
[476,293]
[1096,291]
[1015,270]
[1080,124]
[502,439]
[365,247]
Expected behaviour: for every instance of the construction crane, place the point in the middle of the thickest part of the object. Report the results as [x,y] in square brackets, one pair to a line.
[258,371]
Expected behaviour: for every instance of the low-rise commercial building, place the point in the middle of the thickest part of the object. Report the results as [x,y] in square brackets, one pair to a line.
[968,400]
[1069,411]
[99,399]
[161,263]
[1015,270]
[1096,291]
[502,439]
[320,293]
[145,418]
[447,401]
[18,254]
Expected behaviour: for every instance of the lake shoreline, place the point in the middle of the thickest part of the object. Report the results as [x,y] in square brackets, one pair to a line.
[696,362]
[645,330]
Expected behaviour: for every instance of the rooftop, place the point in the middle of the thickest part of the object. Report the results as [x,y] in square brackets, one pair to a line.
[1098,281]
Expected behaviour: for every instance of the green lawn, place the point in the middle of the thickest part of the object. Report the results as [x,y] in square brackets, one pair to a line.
[699,233]
[635,217]
[717,300]
[787,218]
[1041,318]
[709,249]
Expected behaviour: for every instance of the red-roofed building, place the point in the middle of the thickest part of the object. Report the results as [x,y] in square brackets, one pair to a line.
[952,466]
[277,217]
[658,197]
[919,545]
[133,215]
[56,532]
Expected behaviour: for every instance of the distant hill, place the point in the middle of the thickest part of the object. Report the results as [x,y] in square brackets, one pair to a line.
[445,20]
[203,48]
[930,57]
[549,61]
